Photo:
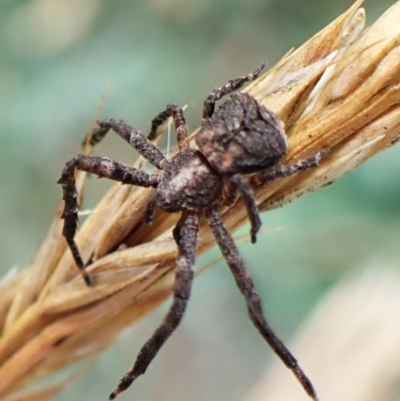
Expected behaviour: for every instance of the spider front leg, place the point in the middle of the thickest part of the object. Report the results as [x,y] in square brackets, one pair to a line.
[176,112]
[102,167]
[131,135]
[219,92]
[185,235]
[254,306]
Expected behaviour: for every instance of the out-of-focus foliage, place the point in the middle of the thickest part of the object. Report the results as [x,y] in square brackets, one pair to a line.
[56,58]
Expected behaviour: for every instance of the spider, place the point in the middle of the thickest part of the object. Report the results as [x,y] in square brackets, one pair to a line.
[240,137]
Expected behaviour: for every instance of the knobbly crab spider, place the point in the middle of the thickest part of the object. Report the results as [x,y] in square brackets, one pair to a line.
[240,137]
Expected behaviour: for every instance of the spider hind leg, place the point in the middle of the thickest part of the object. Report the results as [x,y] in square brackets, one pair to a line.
[253,301]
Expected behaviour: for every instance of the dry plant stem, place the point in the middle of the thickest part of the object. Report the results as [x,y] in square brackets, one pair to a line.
[59,331]
[49,254]
[339,90]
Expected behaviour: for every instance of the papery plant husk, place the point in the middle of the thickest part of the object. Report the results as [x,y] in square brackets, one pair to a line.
[340,90]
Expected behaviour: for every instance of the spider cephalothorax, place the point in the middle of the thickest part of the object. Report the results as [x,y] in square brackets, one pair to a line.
[241,137]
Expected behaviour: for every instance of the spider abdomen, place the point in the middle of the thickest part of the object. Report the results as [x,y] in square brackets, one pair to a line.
[188,182]
[242,137]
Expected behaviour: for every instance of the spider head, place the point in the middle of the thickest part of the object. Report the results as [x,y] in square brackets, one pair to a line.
[242,137]
[188,182]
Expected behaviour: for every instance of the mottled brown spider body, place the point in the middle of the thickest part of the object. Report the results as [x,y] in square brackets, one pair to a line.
[241,137]
[188,182]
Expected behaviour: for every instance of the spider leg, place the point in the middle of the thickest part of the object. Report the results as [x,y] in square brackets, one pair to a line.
[176,112]
[233,85]
[131,135]
[149,213]
[229,193]
[252,211]
[102,167]
[185,235]
[254,306]
[281,171]
[237,184]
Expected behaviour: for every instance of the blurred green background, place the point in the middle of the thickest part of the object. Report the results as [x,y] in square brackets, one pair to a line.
[56,58]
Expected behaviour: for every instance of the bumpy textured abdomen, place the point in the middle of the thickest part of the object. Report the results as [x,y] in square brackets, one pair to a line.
[242,137]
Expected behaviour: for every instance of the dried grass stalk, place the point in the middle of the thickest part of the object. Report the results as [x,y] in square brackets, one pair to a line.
[340,90]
